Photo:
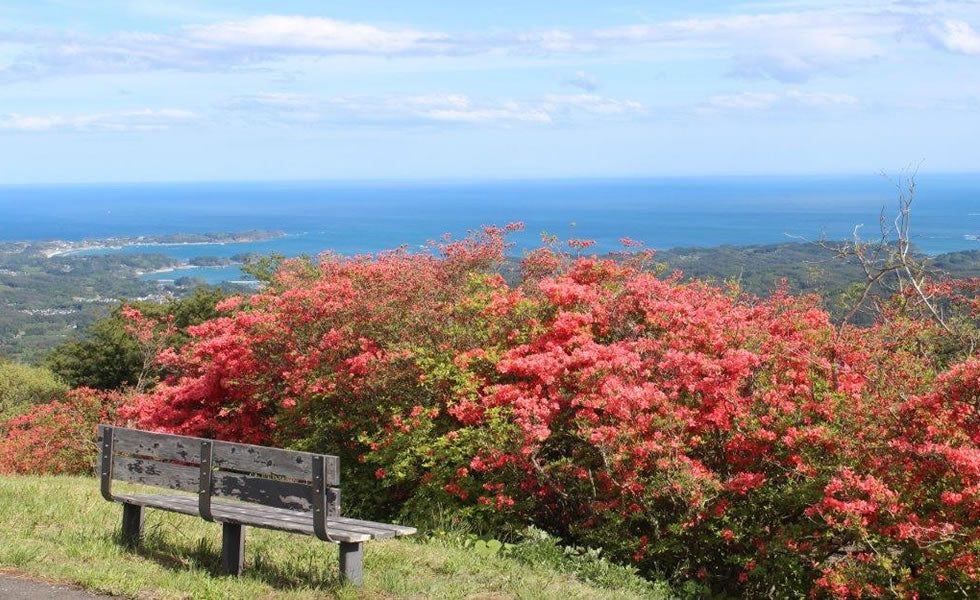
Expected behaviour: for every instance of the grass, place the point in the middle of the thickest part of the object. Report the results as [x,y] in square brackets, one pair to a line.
[60,529]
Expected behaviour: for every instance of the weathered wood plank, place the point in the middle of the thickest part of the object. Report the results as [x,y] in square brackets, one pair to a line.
[263,461]
[223,514]
[268,492]
[292,464]
[243,458]
[373,528]
[251,515]
[374,533]
[338,532]
[155,473]
[333,502]
[160,446]
[398,529]
[162,502]
[333,470]
[247,513]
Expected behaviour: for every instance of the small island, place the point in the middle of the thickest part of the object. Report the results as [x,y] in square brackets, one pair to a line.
[221,261]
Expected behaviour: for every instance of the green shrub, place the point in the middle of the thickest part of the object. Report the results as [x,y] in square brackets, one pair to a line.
[590,565]
[22,386]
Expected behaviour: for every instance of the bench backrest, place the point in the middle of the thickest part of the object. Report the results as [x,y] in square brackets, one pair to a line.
[256,474]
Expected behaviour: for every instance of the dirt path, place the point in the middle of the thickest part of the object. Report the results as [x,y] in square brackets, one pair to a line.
[18,587]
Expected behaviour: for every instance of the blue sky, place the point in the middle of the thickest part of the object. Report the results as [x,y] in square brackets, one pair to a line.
[142,90]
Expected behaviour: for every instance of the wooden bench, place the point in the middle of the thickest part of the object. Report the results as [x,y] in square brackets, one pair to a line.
[259,487]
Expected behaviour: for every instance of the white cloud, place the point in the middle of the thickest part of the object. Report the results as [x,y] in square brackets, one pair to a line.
[745,100]
[552,41]
[215,47]
[792,42]
[513,113]
[313,35]
[955,36]
[791,99]
[583,81]
[791,46]
[125,121]
[591,104]
[428,109]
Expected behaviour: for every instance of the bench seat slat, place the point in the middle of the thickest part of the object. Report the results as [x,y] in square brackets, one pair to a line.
[266,516]
[252,516]
[284,515]
[378,530]
[398,529]
[171,503]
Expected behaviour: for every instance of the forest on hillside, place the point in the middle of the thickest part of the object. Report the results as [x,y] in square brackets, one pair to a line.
[45,301]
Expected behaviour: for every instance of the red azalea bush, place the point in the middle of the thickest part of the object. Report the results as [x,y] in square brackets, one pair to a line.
[744,444]
[58,437]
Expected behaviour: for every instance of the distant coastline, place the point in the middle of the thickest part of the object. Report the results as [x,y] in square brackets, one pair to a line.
[352,219]
[54,248]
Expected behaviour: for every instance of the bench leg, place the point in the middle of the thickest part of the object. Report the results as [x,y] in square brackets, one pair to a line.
[132,524]
[232,548]
[352,562]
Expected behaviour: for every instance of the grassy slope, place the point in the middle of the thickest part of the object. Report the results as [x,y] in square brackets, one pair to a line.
[60,528]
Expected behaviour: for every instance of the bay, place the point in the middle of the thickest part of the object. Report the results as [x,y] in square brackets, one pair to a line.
[366,217]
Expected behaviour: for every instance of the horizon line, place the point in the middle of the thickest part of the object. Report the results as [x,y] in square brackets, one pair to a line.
[491,179]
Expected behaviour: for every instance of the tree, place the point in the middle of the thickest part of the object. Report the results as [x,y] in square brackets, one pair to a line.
[899,284]
[109,356]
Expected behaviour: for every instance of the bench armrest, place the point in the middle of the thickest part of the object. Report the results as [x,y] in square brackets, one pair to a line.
[206,481]
[320,498]
[105,463]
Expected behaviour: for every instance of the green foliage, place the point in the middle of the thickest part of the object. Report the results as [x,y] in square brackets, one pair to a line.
[263,268]
[538,548]
[106,357]
[22,386]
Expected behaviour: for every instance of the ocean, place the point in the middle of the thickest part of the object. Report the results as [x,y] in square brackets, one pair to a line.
[356,218]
